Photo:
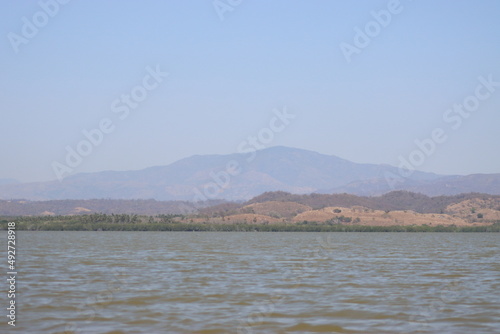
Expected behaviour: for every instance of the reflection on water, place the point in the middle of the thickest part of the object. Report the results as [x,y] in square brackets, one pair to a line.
[182,282]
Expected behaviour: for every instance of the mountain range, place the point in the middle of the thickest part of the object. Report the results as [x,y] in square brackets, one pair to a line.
[242,176]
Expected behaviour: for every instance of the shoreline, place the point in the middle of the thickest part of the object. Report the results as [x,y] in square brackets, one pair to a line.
[239,227]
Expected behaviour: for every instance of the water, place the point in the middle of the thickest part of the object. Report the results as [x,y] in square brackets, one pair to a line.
[184,282]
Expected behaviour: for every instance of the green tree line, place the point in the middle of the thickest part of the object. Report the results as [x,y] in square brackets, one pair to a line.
[124,222]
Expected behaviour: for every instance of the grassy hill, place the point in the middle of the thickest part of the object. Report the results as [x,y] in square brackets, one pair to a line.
[273,208]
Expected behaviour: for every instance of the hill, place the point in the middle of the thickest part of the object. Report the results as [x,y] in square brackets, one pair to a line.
[396,208]
[107,206]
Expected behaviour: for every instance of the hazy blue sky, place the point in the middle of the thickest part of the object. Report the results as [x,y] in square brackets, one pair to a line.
[227,75]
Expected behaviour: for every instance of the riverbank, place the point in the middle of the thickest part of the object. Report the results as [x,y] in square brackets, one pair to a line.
[83,223]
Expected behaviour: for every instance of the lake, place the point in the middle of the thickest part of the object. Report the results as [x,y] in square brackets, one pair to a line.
[230,282]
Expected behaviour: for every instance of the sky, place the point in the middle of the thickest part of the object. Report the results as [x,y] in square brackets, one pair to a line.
[87,86]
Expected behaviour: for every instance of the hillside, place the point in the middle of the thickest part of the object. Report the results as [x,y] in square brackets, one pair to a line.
[395,208]
[395,200]
[277,208]
[445,185]
[107,206]
[274,204]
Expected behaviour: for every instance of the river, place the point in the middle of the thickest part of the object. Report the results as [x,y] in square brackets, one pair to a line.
[237,282]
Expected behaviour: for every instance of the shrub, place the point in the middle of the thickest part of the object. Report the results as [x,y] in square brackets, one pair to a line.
[344,219]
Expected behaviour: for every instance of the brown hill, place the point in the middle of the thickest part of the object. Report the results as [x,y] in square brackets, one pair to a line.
[276,209]
[396,200]
[79,207]
[476,209]
[396,208]
[365,216]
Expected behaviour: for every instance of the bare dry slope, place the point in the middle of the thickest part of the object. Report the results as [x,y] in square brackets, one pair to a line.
[365,216]
[476,209]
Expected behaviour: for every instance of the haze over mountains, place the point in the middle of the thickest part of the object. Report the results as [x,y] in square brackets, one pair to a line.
[243,176]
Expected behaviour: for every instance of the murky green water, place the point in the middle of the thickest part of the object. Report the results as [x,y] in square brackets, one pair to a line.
[181,282]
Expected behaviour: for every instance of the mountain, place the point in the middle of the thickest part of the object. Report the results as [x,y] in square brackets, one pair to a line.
[8,181]
[243,176]
[445,185]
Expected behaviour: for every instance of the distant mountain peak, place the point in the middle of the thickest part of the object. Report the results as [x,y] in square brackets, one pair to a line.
[276,168]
